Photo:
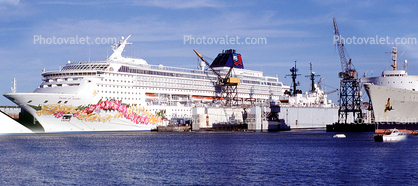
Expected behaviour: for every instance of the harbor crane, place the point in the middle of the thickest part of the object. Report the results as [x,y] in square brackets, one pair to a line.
[350,99]
[229,90]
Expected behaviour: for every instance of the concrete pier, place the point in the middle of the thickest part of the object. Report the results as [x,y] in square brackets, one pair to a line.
[204,118]
[12,111]
[10,126]
[173,128]
[257,119]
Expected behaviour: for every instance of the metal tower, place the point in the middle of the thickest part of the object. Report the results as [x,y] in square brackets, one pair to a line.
[294,84]
[350,101]
[312,76]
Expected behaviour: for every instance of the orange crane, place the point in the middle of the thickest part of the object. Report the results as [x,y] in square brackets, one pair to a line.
[229,90]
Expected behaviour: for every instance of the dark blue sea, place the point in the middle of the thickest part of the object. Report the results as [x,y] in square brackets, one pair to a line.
[211,158]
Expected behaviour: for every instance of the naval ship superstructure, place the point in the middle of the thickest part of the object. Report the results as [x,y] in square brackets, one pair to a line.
[309,110]
[394,98]
[128,94]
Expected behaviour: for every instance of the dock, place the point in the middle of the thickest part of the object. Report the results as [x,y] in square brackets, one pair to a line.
[174,128]
[12,111]
[350,127]
[230,119]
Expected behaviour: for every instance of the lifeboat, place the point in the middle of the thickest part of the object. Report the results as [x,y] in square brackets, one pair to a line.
[150,95]
[284,101]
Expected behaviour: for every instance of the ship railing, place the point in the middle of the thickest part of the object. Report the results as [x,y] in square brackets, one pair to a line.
[265,79]
[176,69]
[160,67]
[86,62]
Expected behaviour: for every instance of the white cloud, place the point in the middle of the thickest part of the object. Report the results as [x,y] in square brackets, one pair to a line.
[154,28]
[9,2]
[10,11]
[180,4]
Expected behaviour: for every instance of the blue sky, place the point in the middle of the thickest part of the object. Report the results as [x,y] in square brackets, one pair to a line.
[299,31]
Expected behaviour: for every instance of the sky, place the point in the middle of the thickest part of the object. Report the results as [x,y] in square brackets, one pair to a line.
[270,35]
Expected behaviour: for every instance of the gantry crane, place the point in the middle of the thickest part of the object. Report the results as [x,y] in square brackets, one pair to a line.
[229,90]
[350,99]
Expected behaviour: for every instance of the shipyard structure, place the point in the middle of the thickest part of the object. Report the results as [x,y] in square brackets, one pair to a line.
[128,94]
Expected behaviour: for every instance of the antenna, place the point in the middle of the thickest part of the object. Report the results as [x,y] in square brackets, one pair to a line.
[371,71]
[394,57]
[394,53]
[294,74]
[13,89]
[89,53]
[312,76]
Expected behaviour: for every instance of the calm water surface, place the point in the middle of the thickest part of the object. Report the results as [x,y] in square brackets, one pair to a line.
[227,158]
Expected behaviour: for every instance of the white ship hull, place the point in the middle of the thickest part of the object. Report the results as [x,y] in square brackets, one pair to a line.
[52,124]
[397,138]
[394,136]
[393,107]
[49,116]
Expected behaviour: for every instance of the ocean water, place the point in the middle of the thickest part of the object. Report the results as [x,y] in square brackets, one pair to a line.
[206,158]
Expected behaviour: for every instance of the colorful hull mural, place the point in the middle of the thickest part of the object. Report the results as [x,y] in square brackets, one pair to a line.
[103,111]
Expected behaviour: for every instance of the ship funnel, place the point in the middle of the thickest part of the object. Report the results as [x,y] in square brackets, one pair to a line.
[228,58]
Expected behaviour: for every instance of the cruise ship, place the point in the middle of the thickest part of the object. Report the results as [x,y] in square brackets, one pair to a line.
[394,98]
[128,94]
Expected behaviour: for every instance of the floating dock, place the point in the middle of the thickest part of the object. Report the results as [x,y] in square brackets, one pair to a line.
[174,128]
[351,127]
[366,125]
